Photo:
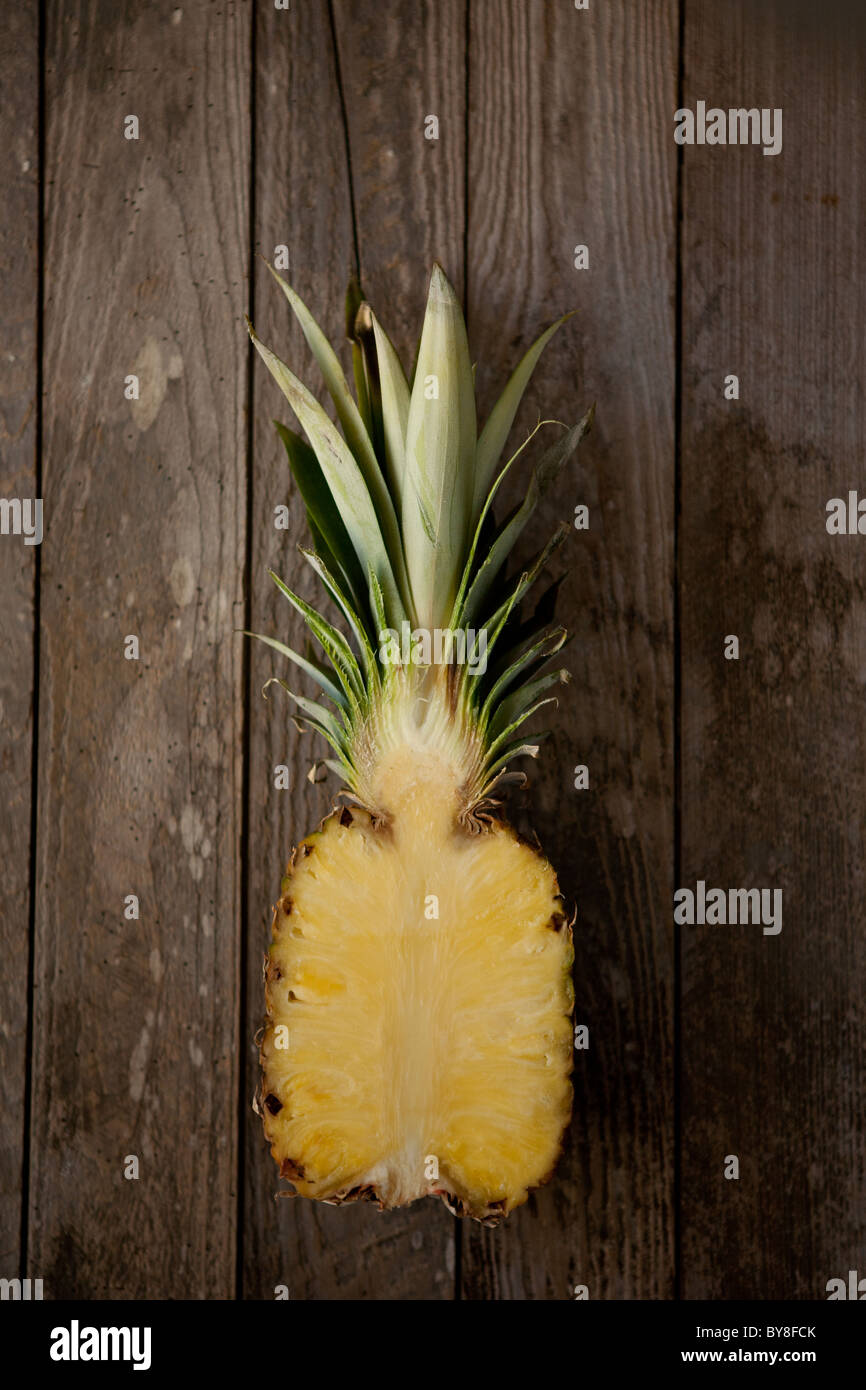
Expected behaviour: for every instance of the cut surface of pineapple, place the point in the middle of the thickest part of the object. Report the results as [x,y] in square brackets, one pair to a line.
[418,987]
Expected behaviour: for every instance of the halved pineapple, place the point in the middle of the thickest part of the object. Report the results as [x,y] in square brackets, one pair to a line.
[418,1038]
[419,998]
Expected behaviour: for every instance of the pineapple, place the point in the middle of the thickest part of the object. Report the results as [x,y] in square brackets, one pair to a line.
[418,1038]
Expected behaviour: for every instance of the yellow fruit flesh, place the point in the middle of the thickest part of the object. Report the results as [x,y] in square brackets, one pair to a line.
[419,1036]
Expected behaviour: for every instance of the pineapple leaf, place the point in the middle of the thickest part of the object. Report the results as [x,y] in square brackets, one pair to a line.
[364,345]
[379,611]
[395,411]
[332,642]
[495,624]
[320,545]
[348,413]
[329,729]
[365,405]
[440,449]
[321,677]
[349,613]
[548,467]
[324,720]
[342,474]
[531,653]
[515,749]
[323,516]
[482,527]
[501,418]
[520,703]
[500,739]
[354,300]
[356,433]
[524,630]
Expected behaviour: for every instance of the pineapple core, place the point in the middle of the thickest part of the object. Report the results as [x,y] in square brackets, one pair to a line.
[418,1039]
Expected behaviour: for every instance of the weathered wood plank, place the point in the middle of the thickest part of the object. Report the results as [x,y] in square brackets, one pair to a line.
[404,76]
[19,309]
[136,1021]
[304,200]
[569,144]
[773,763]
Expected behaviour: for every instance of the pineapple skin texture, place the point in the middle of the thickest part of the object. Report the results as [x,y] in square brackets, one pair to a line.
[405,1054]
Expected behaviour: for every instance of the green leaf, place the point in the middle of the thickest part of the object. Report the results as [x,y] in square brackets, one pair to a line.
[495,624]
[364,351]
[324,720]
[354,429]
[547,469]
[332,642]
[516,749]
[501,738]
[328,727]
[531,653]
[349,613]
[342,474]
[522,702]
[381,624]
[501,418]
[322,513]
[482,528]
[531,627]
[362,391]
[395,411]
[348,414]
[354,300]
[310,667]
[440,450]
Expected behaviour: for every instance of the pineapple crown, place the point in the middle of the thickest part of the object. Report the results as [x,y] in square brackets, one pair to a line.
[400,511]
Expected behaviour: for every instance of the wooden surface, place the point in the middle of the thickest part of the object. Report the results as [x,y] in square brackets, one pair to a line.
[19,406]
[591,174]
[135,1039]
[773,761]
[305,128]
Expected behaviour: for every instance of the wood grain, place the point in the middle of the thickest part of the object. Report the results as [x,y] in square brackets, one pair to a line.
[403,65]
[304,200]
[135,1045]
[568,145]
[774,772]
[143,1030]
[19,308]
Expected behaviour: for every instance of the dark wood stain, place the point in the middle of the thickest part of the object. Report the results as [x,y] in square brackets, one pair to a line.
[773,766]
[19,260]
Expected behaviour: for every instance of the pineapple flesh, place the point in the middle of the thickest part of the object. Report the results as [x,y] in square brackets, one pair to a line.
[418,1039]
